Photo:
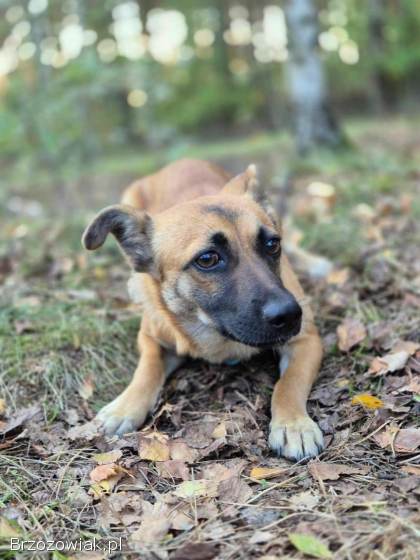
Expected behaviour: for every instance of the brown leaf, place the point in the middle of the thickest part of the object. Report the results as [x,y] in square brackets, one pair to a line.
[350,333]
[411,469]
[389,363]
[85,390]
[173,469]
[338,277]
[406,440]
[195,551]
[332,471]
[102,472]
[154,524]
[406,346]
[154,447]
[180,451]
[16,423]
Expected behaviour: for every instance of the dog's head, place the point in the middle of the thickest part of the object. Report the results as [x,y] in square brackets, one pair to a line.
[217,260]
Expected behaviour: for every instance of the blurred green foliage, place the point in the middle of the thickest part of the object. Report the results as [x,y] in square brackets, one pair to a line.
[221,70]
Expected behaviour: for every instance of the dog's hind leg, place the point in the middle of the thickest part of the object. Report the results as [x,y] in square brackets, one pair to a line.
[129,410]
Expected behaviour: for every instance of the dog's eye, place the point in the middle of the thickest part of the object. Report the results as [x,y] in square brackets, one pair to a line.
[208,260]
[272,246]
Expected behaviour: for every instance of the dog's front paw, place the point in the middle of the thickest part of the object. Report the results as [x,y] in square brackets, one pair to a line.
[295,439]
[121,416]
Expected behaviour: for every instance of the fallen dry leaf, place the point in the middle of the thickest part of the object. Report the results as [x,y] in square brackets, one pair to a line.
[154,447]
[406,346]
[195,551]
[304,500]
[389,363]
[154,524]
[9,529]
[180,451]
[260,537]
[16,423]
[332,471]
[219,431]
[260,473]
[86,388]
[338,277]
[102,472]
[368,401]
[2,407]
[197,489]
[109,457]
[406,440]
[350,333]
[173,469]
[411,469]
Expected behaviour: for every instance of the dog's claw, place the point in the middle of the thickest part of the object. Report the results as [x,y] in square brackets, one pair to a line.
[297,439]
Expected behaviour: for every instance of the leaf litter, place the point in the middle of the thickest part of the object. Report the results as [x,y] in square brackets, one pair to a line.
[198,481]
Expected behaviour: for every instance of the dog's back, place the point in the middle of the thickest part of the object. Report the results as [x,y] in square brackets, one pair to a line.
[177,182]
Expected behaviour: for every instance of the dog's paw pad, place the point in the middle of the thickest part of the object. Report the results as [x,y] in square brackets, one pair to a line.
[296,439]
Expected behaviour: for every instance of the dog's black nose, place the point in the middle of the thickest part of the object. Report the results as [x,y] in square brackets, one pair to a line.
[282,312]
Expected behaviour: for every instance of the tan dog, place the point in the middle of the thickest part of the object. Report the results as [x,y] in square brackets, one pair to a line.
[214,284]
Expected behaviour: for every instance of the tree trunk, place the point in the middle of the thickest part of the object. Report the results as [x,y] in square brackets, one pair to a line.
[315,123]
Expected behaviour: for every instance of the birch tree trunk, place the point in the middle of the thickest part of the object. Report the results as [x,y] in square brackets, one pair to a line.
[307,83]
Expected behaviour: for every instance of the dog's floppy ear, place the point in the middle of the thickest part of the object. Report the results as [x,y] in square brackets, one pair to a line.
[132,229]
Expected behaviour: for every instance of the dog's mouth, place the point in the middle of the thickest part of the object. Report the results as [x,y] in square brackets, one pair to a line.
[267,341]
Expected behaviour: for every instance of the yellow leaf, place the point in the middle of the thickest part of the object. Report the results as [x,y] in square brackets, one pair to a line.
[99,272]
[109,457]
[260,473]
[219,431]
[197,488]
[8,529]
[154,450]
[2,407]
[368,401]
[338,277]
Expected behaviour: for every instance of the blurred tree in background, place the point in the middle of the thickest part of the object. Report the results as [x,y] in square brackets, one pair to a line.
[80,79]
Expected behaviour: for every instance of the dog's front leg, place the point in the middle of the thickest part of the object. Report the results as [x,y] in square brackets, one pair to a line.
[292,433]
[129,410]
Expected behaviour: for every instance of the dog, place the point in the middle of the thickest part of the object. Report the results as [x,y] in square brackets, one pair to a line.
[208,268]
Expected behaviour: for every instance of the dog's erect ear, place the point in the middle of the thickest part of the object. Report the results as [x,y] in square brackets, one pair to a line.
[244,183]
[132,229]
[247,184]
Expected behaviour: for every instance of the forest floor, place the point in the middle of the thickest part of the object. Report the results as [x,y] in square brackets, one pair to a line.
[199,481]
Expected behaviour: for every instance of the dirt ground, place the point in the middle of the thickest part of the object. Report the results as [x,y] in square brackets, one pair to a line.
[199,481]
